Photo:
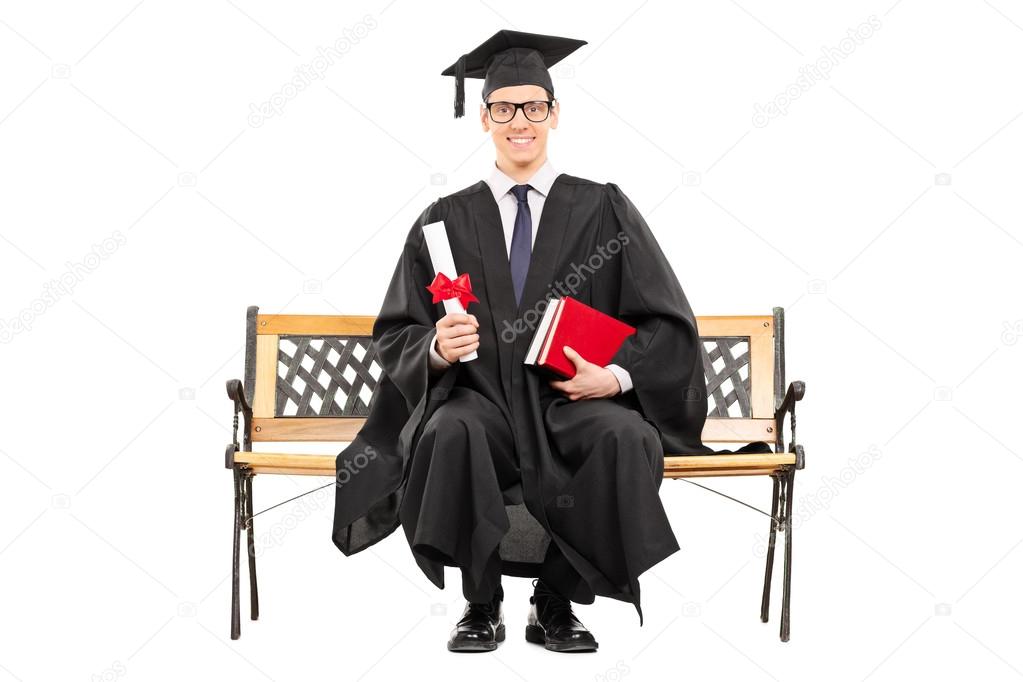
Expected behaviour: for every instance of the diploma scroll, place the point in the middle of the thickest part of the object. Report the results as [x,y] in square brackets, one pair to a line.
[444,264]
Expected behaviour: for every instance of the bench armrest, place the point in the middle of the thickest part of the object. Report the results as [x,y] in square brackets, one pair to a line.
[794,394]
[236,393]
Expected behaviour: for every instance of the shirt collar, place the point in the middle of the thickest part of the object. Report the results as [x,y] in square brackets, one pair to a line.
[501,184]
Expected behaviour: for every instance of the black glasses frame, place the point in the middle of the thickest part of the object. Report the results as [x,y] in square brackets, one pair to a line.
[521,105]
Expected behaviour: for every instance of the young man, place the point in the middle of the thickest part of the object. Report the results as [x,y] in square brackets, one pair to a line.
[488,465]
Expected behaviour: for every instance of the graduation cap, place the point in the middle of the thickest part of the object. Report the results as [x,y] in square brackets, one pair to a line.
[510,58]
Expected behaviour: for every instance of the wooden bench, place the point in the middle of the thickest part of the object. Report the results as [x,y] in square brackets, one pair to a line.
[310,378]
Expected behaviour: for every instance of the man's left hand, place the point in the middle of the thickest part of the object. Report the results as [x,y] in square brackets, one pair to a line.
[590,380]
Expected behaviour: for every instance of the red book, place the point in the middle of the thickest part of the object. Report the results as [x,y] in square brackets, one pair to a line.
[568,322]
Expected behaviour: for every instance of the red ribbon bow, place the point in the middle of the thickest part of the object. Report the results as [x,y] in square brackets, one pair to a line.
[443,288]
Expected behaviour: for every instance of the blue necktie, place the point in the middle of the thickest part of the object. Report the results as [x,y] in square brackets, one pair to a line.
[521,243]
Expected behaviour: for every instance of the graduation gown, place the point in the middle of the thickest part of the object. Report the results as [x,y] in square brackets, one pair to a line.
[592,244]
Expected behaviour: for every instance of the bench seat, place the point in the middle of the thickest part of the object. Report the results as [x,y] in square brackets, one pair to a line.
[675,466]
[310,379]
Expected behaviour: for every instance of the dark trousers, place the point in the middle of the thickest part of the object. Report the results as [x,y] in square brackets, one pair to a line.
[555,572]
[465,459]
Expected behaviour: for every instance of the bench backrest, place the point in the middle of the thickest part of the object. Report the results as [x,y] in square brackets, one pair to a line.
[311,377]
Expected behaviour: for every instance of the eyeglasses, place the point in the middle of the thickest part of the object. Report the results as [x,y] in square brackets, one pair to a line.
[536,111]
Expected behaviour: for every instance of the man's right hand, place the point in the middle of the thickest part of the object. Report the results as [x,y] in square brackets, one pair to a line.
[457,335]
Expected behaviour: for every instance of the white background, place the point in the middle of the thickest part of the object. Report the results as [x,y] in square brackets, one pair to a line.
[881,210]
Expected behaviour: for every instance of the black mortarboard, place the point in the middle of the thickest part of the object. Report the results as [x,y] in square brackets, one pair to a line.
[510,58]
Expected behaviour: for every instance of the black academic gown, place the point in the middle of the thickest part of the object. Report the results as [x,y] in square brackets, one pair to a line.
[634,283]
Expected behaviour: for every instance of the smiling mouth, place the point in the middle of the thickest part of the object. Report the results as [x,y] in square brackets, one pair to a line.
[520,142]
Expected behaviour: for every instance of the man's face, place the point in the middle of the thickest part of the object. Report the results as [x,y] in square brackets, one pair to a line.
[519,142]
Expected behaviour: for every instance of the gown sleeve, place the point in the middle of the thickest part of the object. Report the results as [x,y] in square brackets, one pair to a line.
[437,361]
[663,356]
[366,505]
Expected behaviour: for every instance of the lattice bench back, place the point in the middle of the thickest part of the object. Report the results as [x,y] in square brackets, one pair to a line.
[311,377]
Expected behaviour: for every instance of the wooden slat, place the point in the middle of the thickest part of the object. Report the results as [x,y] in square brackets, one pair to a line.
[291,461]
[288,464]
[294,472]
[674,466]
[734,430]
[338,429]
[733,325]
[329,429]
[761,367]
[740,461]
[362,325]
[341,325]
[766,471]
[266,377]
[330,472]
[671,462]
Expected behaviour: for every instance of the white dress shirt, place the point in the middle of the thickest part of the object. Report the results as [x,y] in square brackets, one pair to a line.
[540,185]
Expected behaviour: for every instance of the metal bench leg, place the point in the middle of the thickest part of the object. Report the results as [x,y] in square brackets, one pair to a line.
[236,627]
[787,584]
[253,591]
[765,602]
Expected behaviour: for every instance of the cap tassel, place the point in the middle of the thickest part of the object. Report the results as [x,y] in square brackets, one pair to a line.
[460,87]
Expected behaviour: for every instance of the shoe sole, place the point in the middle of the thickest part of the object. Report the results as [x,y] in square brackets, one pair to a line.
[471,647]
[535,634]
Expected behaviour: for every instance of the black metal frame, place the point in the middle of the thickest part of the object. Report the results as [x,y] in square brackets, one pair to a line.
[784,478]
[241,397]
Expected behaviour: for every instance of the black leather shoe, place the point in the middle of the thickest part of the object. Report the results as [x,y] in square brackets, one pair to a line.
[552,623]
[480,629]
